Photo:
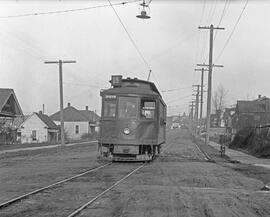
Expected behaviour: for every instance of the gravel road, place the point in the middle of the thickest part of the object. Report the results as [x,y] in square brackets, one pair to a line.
[181,182]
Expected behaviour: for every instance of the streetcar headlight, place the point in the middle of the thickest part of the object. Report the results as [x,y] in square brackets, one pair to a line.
[126,131]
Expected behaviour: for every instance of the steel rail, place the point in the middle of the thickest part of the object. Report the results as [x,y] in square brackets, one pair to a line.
[11,201]
[77,211]
[206,156]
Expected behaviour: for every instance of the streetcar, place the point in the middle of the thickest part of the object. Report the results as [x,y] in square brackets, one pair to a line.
[133,120]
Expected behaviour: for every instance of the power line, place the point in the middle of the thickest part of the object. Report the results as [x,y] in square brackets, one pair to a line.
[183,97]
[226,5]
[131,39]
[171,90]
[230,36]
[212,12]
[81,84]
[65,11]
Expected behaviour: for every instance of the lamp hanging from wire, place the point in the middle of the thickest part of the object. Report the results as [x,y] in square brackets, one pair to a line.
[144,7]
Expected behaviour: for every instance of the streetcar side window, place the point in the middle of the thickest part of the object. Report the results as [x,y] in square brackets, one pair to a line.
[109,108]
[128,107]
[148,107]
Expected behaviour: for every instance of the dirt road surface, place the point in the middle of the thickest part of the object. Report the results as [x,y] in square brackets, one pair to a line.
[181,182]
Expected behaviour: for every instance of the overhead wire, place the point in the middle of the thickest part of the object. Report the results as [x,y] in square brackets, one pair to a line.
[183,97]
[171,90]
[212,12]
[131,39]
[201,38]
[226,5]
[233,30]
[199,33]
[65,11]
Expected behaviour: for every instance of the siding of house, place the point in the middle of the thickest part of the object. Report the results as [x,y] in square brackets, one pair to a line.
[70,128]
[33,123]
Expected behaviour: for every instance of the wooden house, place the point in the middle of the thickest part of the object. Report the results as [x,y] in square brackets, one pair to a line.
[77,122]
[10,114]
[38,128]
[252,113]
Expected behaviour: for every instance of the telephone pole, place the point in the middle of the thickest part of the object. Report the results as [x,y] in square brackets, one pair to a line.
[196,116]
[210,65]
[192,116]
[60,63]
[202,85]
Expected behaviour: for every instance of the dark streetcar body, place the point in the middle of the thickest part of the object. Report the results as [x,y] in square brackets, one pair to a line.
[133,120]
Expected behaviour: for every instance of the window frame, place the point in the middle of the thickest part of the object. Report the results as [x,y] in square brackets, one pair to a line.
[34,135]
[77,129]
[115,100]
[137,107]
[155,109]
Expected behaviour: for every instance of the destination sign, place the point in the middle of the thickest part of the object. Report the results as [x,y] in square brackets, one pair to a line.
[110,97]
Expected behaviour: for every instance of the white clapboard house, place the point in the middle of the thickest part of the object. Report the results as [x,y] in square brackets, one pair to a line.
[38,128]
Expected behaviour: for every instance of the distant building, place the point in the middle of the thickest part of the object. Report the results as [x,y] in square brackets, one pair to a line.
[77,122]
[38,128]
[252,113]
[214,121]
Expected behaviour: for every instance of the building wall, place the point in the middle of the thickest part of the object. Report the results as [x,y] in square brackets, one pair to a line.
[70,129]
[33,123]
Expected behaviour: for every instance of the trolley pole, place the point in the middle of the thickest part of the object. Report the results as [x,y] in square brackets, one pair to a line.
[60,63]
[209,92]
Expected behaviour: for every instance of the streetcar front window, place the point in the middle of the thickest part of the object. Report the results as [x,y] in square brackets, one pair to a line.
[148,107]
[109,108]
[128,107]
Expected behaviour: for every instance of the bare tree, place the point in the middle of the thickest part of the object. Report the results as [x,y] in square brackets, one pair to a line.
[219,100]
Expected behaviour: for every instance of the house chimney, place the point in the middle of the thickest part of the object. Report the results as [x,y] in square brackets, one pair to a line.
[69,104]
[259,96]
[40,112]
[86,108]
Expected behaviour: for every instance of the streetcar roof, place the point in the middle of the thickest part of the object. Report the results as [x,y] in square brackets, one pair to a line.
[130,90]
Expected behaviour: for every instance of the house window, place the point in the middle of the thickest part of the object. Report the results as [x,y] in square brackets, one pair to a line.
[34,135]
[77,129]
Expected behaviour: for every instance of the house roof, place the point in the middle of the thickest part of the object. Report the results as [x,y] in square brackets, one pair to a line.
[46,119]
[71,114]
[253,106]
[90,115]
[9,105]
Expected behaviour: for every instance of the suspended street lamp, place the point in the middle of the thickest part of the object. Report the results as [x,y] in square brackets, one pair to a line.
[143,14]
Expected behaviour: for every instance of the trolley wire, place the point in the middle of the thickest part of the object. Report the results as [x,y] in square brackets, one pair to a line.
[131,39]
[176,89]
[233,30]
[174,100]
[65,11]
[222,16]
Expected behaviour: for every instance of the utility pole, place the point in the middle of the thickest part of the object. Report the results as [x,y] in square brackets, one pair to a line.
[196,116]
[209,92]
[192,117]
[60,63]
[202,85]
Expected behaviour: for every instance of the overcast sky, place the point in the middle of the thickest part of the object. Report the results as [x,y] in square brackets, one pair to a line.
[170,42]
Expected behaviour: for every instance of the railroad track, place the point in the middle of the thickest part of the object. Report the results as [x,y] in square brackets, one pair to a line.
[76,210]
[24,196]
